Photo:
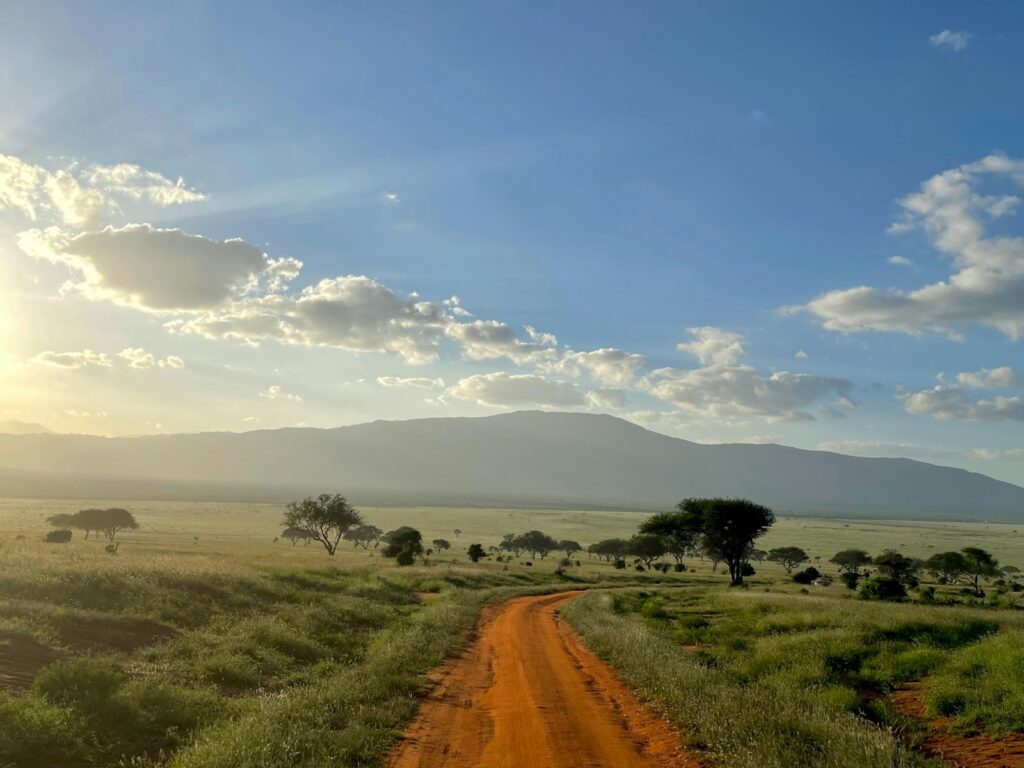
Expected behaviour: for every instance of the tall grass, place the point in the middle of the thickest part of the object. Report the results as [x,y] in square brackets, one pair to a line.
[771,720]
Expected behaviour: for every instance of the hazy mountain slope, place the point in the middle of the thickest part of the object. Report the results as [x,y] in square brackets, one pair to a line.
[557,456]
[16,427]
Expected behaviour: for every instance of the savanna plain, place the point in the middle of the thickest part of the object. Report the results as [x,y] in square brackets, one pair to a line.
[205,637]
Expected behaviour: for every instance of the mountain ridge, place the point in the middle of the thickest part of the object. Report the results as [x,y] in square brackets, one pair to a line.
[525,454]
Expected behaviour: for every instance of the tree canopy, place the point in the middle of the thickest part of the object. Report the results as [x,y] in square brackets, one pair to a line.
[978,563]
[363,535]
[404,539]
[570,547]
[327,517]
[609,549]
[105,521]
[537,544]
[475,552]
[676,528]
[728,528]
[788,557]
[647,547]
[851,560]
[947,567]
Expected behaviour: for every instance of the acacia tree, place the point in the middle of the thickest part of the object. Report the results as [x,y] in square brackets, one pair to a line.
[788,557]
[327,518]
[511,543]
[570,547]
[947,567]
[403,541]
[728,527]
[363,535]
[898,567]
[610,549]
[475,552]
[537,543]
[851,561]
[675,528]
[116,519]
[457,532]
[978,563]
[647,547]
[441,544]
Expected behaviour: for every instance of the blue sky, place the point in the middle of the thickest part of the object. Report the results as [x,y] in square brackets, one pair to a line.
[616,175]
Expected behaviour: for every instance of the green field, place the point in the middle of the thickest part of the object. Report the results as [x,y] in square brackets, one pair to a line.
[203,642]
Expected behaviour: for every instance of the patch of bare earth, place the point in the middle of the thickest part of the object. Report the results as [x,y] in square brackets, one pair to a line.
[962,751]
[120,636]
[20,658]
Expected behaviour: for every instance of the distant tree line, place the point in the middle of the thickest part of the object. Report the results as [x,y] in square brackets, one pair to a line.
[105,522]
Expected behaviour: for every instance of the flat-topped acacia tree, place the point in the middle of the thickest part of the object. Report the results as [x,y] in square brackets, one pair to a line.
[327,518]
[728,528]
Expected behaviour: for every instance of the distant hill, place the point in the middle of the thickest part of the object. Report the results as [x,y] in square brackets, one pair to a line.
[562,459]
[15,427]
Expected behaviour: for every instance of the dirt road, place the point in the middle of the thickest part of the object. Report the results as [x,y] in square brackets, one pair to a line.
[527,694]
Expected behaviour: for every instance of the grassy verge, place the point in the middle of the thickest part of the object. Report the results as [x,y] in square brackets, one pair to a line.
[749,707]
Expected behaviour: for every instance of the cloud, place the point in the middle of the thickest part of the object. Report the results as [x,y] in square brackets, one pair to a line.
[950,40]
[992,454]
[607,398]
[951,403]
[723,389]
[157,270]
[397,382]
[987,283]
[275,392]
[74,359]
[79,198]
[517,390]
[900,261]
[991,378]
[137,357]
[607,366]
[800,355]
[391,197]
[713,346]
[490,340]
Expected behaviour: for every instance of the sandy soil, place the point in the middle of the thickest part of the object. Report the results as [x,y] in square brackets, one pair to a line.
[20,658]
[977,751]
[527,694]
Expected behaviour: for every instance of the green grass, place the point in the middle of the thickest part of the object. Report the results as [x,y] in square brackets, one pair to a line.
[256,653]
[771,679]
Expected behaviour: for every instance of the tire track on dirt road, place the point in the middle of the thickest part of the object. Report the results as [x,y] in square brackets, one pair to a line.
[528,694]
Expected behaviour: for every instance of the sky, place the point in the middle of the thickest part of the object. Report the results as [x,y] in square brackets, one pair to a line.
[730,222]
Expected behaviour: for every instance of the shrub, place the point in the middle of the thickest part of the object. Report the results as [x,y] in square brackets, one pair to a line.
[806,576]
[850,579]
[620,564]
[679,567]
[883,588]
[82,683]
[405,556]
[59,536]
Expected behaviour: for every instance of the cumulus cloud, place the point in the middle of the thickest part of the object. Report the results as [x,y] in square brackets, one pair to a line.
[955,41]
[987,283]
[607,365]
[991,378]
[137,357]
[607,398]
[276,392]
[948,403]
[157,270]
[79,197]
[398,382]
[74,359]
[517,390]
[900,261]
[491,340]
[724,389]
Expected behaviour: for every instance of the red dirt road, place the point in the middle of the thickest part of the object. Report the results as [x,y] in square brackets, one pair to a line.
[527,694]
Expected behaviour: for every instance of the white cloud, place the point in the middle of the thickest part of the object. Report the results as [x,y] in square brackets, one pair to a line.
[800,355]
[987,284]
[713,346]
[950,40]
[137,357]
[79,198]
[391,197]
[900,261]
[607,366]
[723,389]
[398,382]
[611,399]
[517,390]
[157,270]
[490,340]
[949,403]
[991,378]
[74,359]
[275,392]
